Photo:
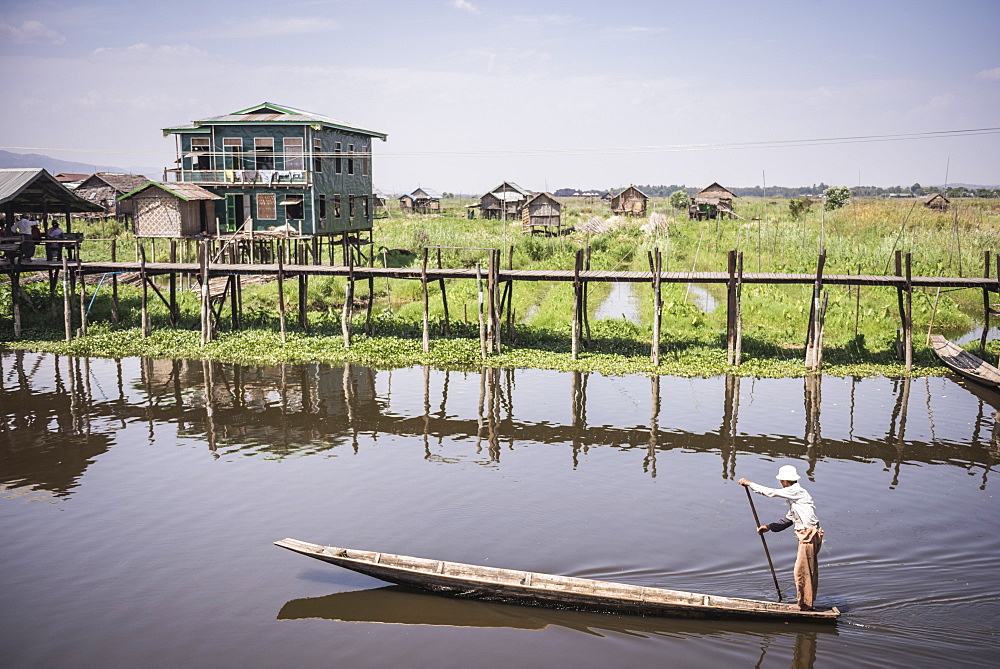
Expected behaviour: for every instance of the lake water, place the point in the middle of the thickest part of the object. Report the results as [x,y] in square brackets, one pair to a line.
[139,500]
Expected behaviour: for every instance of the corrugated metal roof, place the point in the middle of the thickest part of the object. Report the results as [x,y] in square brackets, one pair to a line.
[268,112]
[34,187]
[123,183]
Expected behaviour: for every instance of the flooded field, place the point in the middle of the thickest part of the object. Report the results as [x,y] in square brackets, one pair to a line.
[139,500]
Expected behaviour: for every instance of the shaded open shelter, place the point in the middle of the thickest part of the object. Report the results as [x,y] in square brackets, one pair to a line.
[106,189]
[712,202]
[35,191]
[421,201]
[630,202]
[172,210]
[504,202]
[937,201]
[542,211]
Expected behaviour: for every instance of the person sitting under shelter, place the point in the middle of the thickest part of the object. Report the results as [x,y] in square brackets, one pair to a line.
[53,249]
[23,228]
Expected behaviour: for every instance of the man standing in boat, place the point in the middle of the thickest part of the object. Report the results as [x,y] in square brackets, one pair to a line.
[802,514]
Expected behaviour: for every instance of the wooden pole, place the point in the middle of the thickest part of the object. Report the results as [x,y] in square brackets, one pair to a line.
[83,297]
[490,304]
[15,295]
[898,258]
[371,296]
[479,311]
[908,323]
[206,319]
[812,339]
[144,300]
[303,289]
[770,563]
[511,334]
[172,279]
[575,344]
[657,306]
[446,324]
[585,310]
[281,292]
[731,310]
[67,308]
[426,315]
[986,307]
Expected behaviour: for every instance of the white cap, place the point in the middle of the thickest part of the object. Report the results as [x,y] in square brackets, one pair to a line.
[787,473]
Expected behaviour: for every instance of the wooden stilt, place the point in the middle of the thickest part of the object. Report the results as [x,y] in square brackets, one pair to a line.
[577,266]
[347,312]
[175,316]
[731,310]
[67,308]
[446,323]
[15,295]
[657,306]
[303,290]
[83,297]
[371,297]
[585,311]
[490,304]
[426,313]
[144,302]
[898,258]
[986,307]
[281,292]
[814,342]
[479,311]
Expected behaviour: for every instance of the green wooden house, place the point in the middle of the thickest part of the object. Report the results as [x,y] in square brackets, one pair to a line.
[279,168]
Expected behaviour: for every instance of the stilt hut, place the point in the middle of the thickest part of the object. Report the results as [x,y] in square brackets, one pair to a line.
[173,210]
[629,202]
[542,211]
[107,189]
[712,202]
[937,201]
[421,201]
[505,201]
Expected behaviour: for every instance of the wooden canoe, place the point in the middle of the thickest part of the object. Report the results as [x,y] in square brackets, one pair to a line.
[513,586]
[965,364]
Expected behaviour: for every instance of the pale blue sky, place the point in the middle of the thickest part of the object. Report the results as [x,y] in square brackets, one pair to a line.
[547,94]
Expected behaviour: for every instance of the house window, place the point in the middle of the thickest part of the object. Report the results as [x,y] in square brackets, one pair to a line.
[366,159]
[336,206]
[350,159]
[322,207]
[317,154]
[293,147]
[266,209]
[367,204]
[337,161]
[293,207]
[232,152]
[350,206]
[263,148]
[201,156]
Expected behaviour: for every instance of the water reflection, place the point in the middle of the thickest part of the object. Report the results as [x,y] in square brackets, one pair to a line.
[62,412]
[398,605]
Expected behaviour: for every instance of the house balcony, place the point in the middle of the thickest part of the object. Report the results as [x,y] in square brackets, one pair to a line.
[265,178]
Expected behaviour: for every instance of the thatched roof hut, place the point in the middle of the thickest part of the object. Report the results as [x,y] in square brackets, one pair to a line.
[630,202]
[172,210]
[543,211]
[711,202]
[106,189]
[937,201]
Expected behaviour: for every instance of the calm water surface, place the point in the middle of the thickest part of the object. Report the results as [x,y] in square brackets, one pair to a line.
[139,500]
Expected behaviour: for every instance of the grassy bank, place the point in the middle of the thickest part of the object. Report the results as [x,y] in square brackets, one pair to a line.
[860,331]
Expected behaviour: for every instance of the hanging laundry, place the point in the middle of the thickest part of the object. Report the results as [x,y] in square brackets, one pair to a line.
[267,176]
[249,176]
[229,175]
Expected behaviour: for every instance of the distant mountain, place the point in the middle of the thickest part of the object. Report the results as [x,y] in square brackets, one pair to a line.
[55,166]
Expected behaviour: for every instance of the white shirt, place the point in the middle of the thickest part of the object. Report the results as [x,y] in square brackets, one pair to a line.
[23,226]
[801,509]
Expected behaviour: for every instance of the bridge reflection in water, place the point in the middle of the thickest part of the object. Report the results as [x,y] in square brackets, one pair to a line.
[281,410]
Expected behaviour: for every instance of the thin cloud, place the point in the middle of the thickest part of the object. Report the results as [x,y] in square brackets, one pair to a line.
[144,49]
[989,75]
[277,26]
[30,32]
[465,5]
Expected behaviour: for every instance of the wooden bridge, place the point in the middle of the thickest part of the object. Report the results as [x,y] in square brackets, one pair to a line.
[496,287]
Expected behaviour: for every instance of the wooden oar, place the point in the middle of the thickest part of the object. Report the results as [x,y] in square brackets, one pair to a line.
[763,541]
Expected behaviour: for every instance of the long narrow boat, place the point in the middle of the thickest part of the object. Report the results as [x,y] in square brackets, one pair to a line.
[513,586]
[965,364]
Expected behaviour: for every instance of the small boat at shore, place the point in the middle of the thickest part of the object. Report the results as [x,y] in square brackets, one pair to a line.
[513,586]
[963,363]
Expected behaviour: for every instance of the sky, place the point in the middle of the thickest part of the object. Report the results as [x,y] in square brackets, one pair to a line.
[545,94]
